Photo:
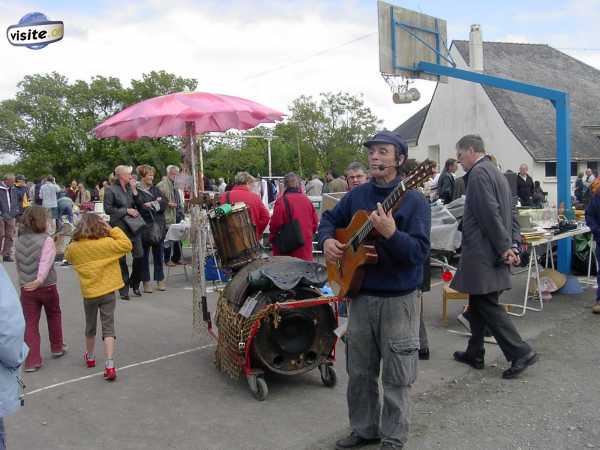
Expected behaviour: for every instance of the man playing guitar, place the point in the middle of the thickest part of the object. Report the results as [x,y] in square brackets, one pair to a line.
[384,314]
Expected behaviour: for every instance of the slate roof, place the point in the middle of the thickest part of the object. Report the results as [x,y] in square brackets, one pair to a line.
[532,120]
[411,129]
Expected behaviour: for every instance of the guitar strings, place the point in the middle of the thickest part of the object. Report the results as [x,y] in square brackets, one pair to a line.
[405,184]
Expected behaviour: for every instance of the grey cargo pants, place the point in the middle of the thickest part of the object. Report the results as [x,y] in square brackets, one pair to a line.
[382,330]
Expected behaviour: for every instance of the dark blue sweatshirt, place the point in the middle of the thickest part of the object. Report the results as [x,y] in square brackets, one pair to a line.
[399,269]
[592,216]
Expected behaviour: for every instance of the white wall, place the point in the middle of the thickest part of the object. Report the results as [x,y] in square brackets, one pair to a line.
[549,184]
[460,107]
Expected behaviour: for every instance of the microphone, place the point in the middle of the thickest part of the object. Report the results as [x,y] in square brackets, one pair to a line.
[383,167]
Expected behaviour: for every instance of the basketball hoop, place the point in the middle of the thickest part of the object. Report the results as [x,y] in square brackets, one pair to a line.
[401,90]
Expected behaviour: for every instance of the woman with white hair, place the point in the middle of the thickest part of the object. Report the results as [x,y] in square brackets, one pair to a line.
[119,203]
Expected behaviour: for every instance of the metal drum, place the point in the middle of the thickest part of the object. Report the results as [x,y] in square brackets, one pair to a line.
[234,236]
[301,339]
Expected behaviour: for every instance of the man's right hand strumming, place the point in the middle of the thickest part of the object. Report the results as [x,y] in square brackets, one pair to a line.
[333,249]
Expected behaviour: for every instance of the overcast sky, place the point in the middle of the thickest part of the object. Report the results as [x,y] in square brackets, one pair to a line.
[273,51]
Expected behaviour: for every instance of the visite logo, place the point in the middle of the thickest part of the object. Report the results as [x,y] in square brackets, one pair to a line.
[35,31]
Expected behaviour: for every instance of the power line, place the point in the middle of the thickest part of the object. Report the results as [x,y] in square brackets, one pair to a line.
[314,55]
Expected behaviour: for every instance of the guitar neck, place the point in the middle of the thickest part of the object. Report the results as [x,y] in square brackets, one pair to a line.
[414,179]
[387,205]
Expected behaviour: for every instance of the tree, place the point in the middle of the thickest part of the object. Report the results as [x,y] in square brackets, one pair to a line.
[334,127]
[47,125]
[319,134]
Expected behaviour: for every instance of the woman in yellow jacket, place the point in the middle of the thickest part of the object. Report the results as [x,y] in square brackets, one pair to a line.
[94,253]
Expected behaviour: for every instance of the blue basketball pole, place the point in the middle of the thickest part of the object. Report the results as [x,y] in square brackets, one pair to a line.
[560,101]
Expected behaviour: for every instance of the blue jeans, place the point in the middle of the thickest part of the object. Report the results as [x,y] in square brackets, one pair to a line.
[2,435]
[157,259]
[66,211]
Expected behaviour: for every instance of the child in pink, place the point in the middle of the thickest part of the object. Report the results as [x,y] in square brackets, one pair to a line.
[34,256]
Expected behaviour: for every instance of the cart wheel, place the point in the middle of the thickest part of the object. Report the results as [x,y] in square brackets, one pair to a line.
[262,389]
[258,387]
[328,375]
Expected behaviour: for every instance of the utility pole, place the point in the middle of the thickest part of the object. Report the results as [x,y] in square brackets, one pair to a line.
[299,153]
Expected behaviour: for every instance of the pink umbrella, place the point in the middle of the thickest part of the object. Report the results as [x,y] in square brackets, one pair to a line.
[186,114]
[170,115]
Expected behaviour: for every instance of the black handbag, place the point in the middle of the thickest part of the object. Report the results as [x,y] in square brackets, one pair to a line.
[135,224]
[153,232]
[289,237]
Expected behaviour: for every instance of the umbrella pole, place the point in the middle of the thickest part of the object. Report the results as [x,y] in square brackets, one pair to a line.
[198,236]
[201,153]
[191,131]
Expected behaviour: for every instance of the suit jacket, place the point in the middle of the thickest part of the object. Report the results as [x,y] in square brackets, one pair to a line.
[168,192]
[9,203]
[489,228]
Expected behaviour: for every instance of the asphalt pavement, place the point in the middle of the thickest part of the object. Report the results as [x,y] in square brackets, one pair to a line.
[170,395]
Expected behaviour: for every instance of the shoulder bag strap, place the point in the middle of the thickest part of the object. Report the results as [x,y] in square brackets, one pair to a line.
[228,197]
[287,207]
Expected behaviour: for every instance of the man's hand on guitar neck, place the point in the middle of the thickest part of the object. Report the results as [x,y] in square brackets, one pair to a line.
[382,222]
[334,249]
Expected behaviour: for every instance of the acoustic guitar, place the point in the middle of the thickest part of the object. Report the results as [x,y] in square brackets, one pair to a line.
[346,274]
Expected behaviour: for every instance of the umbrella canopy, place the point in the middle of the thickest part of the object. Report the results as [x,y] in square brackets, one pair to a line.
[171,115]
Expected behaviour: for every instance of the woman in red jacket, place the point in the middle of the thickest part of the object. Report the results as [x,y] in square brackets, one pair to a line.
[301,209]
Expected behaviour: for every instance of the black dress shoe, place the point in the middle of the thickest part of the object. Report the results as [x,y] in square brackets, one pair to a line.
[475,363]
[520,364]
[137,292]
[354,441]
[124,297]
[424,354]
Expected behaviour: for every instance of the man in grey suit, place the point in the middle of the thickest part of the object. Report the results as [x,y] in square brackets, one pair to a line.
[490,237]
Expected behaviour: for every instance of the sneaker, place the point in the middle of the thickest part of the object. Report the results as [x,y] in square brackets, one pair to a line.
[596,307]
[110,374]
[31,369]
[148,287]
[59,354]
[161,286]
[88,361]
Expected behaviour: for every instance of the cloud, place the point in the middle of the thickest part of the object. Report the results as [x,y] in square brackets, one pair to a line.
[233,50]
[271,52]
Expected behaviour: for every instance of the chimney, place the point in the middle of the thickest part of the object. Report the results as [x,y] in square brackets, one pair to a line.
[476,49]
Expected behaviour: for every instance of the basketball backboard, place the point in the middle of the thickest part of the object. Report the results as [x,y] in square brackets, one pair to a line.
[407,37]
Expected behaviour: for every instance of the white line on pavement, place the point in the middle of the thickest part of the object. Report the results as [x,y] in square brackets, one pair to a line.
[129,366]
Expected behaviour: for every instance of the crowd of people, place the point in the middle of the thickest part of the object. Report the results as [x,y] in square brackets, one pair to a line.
[386,331]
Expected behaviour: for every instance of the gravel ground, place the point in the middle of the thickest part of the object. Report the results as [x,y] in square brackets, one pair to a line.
[555,405]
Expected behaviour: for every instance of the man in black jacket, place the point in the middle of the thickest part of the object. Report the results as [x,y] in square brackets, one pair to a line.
[524,186]
[9,209]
